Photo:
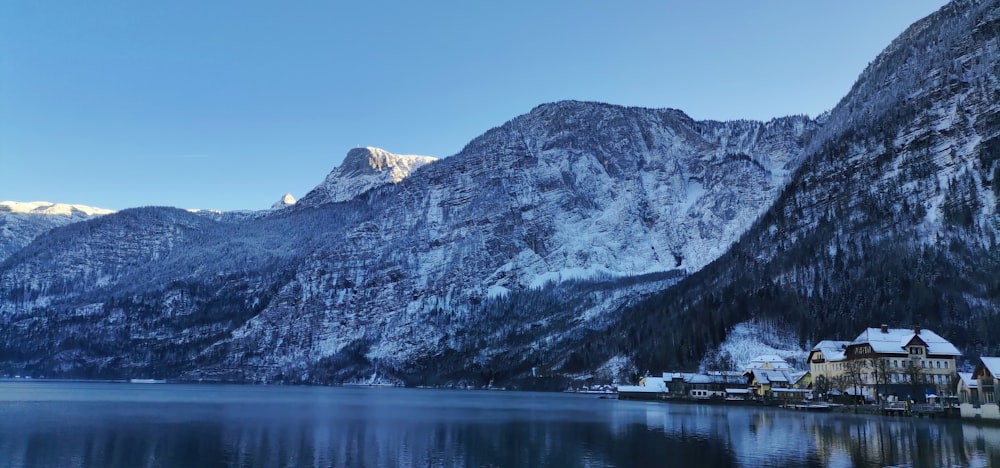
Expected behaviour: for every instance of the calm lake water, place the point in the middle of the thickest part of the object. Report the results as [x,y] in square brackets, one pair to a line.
[61,424]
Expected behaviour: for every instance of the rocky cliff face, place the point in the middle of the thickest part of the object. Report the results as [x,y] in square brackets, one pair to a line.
[891,218]
[378,268]
[363,169]
[570,190]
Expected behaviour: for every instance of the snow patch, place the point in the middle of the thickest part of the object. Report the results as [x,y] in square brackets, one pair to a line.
[52,209]
[748,340]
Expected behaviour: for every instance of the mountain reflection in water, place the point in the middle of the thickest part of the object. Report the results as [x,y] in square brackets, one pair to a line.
[122,425]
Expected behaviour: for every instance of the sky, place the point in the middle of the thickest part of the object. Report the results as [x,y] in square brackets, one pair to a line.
[230,104]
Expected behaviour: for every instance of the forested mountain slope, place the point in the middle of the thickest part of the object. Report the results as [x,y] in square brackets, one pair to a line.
[892,217]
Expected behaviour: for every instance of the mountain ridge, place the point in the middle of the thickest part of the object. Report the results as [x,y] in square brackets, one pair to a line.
[576,237]
[891,217]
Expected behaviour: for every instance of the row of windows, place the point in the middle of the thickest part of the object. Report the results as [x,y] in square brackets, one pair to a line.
[940,379]
[927,364]
[913,350]
[895,363]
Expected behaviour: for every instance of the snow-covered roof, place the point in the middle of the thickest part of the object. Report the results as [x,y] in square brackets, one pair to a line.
[895,340]
[714,377]
[698,378]
[654,383]
[991,364]
[766,376]
[968,380]
[768,361]
[674,375]
[832,350]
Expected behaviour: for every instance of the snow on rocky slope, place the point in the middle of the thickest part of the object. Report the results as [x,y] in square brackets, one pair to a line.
[570,190]
[363,169]
[21,222]
[892,216]
[386,262]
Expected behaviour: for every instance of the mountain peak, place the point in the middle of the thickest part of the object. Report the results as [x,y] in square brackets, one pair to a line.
[362,170]
[284,202]
[371,160]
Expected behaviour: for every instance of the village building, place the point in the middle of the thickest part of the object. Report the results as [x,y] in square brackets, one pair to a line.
[716,384]
[886,363]
[977,395]
[770,376]
[697,386]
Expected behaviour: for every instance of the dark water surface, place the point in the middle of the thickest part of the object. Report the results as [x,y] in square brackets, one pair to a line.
[61,424]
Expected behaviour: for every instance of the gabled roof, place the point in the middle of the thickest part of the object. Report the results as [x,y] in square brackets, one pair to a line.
[968,380]
[895,340]
[795,377]
[768,360]
[767,376]
[832,350]
[991,364]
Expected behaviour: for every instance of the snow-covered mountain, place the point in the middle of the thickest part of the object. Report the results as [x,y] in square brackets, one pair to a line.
[395,269]
[21,222]
[569,190]
[362,170]
[891,218]
[285,201]
[546,242]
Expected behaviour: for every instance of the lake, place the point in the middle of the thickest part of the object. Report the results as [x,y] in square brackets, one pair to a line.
[70,424]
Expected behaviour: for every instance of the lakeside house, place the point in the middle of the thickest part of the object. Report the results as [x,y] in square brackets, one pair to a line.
[977,397]
[911,364]
[685,385]
[765,377]
[770,376]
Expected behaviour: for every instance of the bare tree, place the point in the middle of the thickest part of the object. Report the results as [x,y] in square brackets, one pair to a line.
[855,372]
[821,385]
[880,373]
[915,376]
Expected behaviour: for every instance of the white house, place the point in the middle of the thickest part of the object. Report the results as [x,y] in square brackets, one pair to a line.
[910,363]
[977,396]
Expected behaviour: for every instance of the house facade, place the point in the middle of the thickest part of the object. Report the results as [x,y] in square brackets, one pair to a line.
[770,376]
[905,363]
[977,395]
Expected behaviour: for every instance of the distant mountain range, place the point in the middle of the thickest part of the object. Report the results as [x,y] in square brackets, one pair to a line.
[22,222]
[578,239]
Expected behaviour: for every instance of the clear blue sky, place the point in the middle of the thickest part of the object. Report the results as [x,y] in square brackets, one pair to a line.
[230,104]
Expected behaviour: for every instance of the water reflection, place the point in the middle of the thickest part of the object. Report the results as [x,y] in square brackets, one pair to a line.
[121,425]
[762,437]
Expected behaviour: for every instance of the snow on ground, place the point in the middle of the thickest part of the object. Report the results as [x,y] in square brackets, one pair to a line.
[617,369]
[754,338]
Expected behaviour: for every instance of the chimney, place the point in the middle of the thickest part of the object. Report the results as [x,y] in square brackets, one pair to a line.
[885,328]
[916,329]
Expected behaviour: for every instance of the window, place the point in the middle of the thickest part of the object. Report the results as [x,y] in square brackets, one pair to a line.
[922,363]
[946,364]
[895,363]
[938,364]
